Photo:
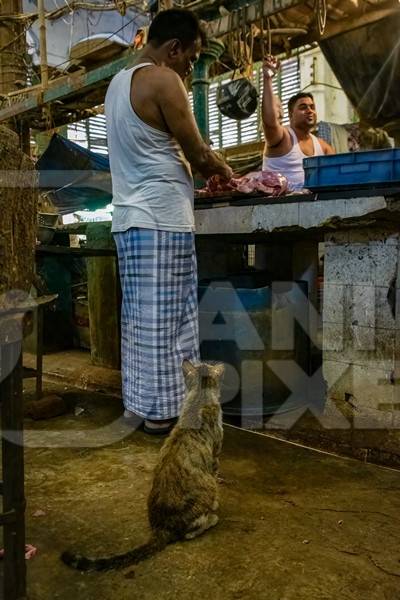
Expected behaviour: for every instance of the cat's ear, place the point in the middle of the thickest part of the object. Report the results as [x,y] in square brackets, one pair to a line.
[188,369]
[218,370]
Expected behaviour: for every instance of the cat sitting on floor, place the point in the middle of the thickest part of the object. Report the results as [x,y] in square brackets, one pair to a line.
[183,500]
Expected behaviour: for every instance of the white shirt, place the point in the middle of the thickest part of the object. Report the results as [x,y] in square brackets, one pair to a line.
[291,164]
[152,183]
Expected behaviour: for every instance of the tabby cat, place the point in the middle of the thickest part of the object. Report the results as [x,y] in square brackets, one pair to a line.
[183,501]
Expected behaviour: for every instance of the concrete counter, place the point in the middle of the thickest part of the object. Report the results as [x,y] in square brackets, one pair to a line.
[270,217]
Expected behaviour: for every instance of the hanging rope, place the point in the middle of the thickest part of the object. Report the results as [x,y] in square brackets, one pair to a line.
[120,5]
[269,37]
[320,9]
[262,29]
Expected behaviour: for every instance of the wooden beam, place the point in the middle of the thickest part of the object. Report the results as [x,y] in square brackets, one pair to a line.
[72,87]
[83,252]
[250,13]
[67,86]
[12,47]
[79,83]
[103,298]
[362,19]
[44,70]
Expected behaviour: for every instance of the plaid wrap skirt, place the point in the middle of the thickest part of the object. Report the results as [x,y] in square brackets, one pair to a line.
[159,318]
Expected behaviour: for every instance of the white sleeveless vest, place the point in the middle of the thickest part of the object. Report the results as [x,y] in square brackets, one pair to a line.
[152,183]
[291,164]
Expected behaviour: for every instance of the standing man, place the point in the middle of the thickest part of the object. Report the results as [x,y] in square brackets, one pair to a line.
[153,139]
[286,147]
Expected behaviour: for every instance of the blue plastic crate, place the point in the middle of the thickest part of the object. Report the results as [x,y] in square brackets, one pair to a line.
[381,167]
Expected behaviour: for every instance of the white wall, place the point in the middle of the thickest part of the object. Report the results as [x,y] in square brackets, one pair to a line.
[317,77]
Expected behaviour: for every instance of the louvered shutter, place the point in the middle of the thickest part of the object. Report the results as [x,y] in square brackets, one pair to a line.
[90,133]
[224,132]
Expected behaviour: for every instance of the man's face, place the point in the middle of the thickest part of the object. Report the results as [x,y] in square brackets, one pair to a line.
[304,115]
[182,61]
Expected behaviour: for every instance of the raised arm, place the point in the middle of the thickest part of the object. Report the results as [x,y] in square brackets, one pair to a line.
[174,105]
[274,132]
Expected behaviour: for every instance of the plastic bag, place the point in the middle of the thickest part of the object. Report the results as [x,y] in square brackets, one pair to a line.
[237,99]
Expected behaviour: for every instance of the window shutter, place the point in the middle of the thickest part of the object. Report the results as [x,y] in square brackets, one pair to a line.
[224,132]
[90,133]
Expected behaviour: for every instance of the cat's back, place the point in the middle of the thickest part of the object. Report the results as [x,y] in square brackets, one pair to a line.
[185,449]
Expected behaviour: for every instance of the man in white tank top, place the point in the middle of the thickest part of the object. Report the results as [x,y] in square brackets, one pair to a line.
[286,147]
[153,139]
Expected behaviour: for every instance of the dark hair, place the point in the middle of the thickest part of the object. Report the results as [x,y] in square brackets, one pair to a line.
[176,23]
[293,99]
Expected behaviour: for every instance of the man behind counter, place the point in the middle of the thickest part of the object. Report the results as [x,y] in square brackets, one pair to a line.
[286,147]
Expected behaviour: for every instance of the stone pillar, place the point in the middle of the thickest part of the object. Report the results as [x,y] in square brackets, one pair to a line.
[201,83]
[103,299]
[361,334]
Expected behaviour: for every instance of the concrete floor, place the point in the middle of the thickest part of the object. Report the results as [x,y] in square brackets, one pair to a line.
[295,524]
[379,446]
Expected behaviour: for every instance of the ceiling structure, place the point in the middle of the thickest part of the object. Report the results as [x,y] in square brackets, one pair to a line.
[247,30]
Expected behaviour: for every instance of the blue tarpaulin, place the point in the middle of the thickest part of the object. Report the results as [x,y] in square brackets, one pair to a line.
[76,178]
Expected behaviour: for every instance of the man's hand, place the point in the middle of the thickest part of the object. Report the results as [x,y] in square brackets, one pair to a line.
[271,66]
[226,173]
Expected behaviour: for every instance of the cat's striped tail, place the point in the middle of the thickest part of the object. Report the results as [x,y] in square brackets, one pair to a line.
[132,557]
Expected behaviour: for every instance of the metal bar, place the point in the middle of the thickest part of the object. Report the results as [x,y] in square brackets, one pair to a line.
[76,251]
[13,471]
[8,517]
[39,352]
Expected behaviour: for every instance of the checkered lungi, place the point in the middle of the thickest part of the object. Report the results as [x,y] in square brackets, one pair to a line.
[159,318]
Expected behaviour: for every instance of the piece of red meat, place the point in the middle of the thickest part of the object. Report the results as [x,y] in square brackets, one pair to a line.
[243,184]
[268,183]
[216,184]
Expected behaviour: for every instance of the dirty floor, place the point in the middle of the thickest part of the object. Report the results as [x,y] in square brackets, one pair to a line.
[295,524]
[378,445]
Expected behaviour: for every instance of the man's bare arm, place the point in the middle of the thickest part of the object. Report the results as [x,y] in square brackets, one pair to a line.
[327,148]
[174,105]
[274,132]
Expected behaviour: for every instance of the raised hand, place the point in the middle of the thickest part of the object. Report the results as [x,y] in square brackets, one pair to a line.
[271,66]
